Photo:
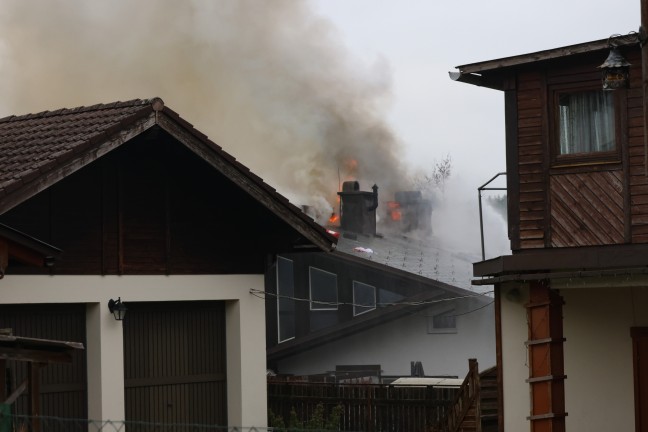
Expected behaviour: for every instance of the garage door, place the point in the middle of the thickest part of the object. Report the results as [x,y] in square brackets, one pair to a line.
[174,362]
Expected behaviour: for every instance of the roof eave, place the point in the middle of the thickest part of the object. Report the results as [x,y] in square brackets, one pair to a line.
[468,72]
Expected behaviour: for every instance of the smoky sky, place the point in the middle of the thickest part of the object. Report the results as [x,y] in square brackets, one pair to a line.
[269,81]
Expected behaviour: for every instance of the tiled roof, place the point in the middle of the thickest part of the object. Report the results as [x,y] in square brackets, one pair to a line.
[37,150]
[31,144]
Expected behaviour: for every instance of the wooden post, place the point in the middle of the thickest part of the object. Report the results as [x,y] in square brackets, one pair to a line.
[33,375]
[643,30]
[546,360]
[3,380]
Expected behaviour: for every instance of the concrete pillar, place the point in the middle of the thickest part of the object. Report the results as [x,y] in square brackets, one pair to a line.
[105,360]
[246,369]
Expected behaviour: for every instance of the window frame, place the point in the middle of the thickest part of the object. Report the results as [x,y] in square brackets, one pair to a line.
[603,158]
[431,329]
[310,291]
[279,299]
[366,308]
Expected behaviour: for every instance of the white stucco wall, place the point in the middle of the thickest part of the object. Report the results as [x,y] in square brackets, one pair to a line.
[245,333]
[598,357]
[396,343]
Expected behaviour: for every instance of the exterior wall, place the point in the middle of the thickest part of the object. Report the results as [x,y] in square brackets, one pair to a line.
[245,331]
[599,392]
[394,344]
[573,202]
[515,369]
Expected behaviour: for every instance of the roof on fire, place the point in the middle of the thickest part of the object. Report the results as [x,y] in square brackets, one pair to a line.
[38,150]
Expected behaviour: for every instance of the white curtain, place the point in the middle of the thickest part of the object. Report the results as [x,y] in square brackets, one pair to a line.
[587,122]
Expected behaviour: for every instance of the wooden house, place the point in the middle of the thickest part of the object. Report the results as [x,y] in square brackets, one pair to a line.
[128,202]
[571,300]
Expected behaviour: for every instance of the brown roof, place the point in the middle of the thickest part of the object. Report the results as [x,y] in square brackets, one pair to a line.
[478,73]
[37,150]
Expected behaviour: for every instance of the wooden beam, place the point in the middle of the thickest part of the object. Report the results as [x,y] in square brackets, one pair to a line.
[33,375]
[16,393]
[3,379]
[4,256]
[546,359]
[35,355]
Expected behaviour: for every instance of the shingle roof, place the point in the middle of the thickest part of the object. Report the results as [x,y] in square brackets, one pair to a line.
[421,256]
[37,150]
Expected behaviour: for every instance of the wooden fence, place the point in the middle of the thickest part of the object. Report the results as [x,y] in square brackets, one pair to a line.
[365,407]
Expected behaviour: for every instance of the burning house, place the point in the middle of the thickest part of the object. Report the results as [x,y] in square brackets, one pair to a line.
[386,296]
[408,212]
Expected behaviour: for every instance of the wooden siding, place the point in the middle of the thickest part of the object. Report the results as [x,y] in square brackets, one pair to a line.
[152,207]
[174,363]
[531,139]
[587,209]
[575,204]
[63,385]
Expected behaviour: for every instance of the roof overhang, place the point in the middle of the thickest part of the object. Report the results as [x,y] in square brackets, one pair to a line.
[24,249]
[488,73]
[564,263]
[37,350]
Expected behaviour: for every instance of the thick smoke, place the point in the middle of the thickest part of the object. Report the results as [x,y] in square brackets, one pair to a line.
[267,80]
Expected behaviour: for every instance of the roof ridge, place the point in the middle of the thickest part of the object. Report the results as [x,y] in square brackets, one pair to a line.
[80,109]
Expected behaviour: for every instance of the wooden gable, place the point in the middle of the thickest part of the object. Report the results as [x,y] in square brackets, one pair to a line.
[153,207]
[132,188]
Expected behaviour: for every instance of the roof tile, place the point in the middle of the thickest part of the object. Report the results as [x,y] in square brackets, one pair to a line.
[51,135]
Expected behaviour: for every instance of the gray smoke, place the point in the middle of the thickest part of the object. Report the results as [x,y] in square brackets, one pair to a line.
[266,80]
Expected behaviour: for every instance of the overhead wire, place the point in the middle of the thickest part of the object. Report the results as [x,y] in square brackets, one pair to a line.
[262,295]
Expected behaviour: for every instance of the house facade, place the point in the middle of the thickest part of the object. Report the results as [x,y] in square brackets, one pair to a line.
[571,302]
[127,201]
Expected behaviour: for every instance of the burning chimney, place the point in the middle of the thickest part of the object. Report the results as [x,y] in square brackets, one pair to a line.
[358,208]
[410,211]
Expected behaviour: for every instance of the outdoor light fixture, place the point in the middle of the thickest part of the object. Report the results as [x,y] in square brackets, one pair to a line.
[615,68]
[117,308]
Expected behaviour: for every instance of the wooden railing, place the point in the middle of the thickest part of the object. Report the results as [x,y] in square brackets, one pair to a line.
[465,412]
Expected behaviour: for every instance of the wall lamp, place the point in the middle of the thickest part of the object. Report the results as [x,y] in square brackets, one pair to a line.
[615,68]
[117,308]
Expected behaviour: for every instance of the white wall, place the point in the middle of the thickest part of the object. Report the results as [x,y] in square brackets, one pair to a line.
[245,333]
[598,357]
[394,344]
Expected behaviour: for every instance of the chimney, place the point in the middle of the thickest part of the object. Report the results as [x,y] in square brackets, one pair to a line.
[410,211]
[358,208]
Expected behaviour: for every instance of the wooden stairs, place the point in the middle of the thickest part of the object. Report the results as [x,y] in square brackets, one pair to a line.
[476,406]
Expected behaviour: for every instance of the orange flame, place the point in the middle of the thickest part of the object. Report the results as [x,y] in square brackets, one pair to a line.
[334,218]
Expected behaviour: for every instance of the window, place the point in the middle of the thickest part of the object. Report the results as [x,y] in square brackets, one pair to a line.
[364,298]
[285,299]
[586,127]
[444,322]
[586,122]
[323,289]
